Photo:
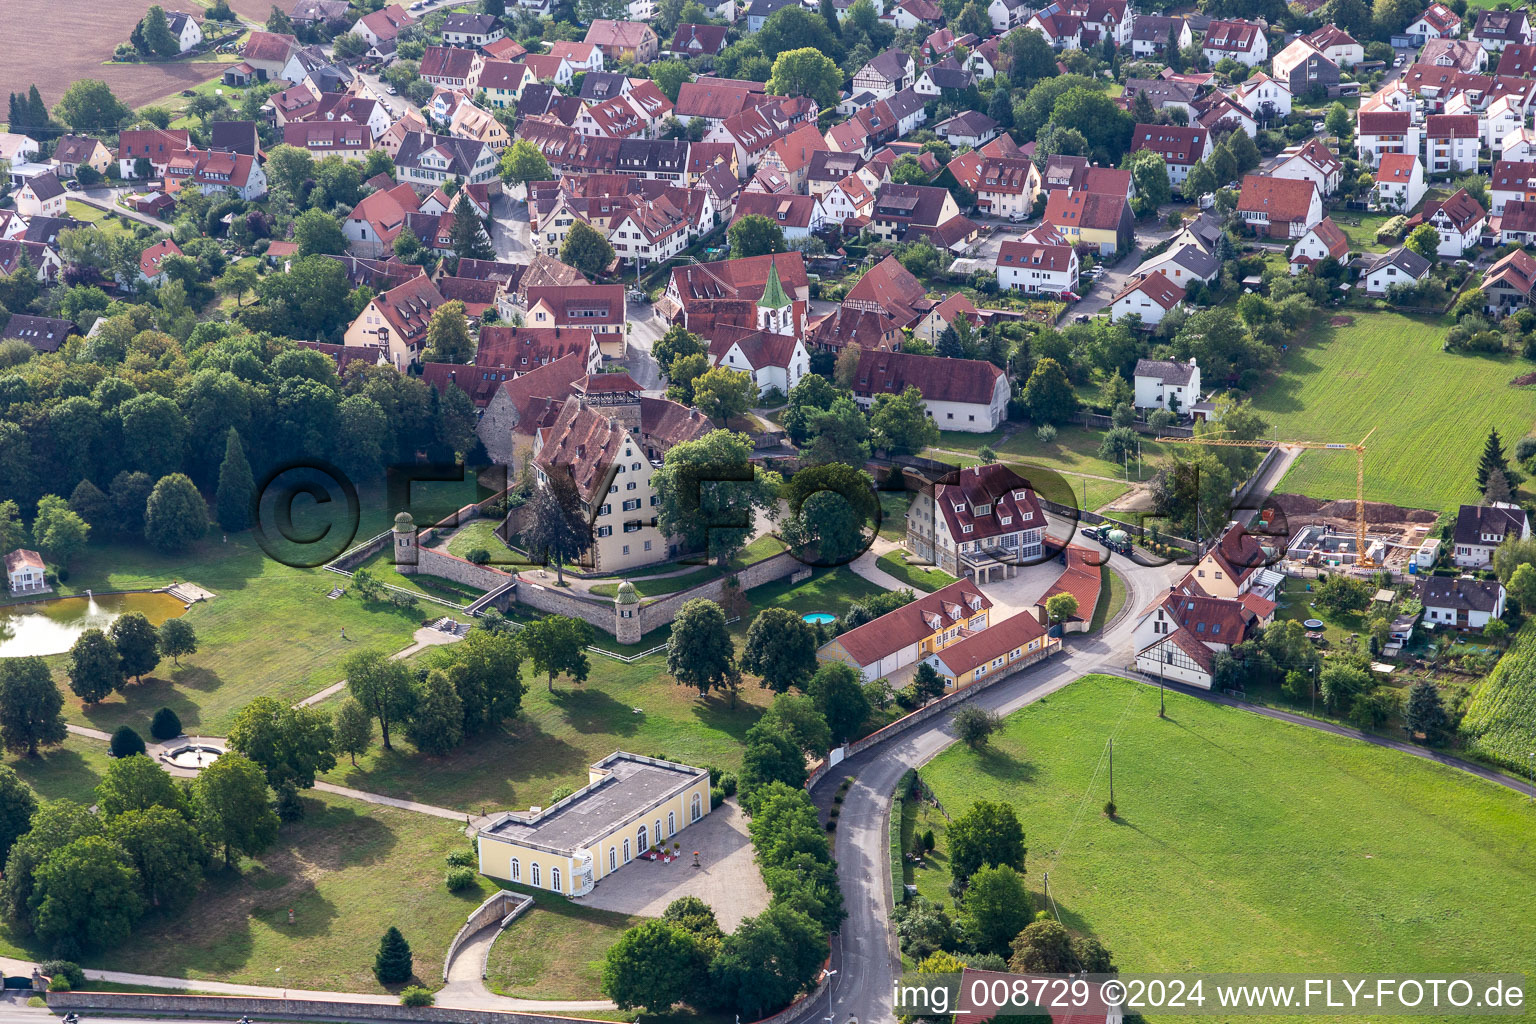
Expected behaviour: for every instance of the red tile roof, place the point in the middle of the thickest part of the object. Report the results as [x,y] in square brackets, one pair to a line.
[1281,199]
[914,621]
[940,379]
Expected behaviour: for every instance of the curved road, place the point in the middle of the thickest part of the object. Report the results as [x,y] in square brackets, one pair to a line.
[865,960]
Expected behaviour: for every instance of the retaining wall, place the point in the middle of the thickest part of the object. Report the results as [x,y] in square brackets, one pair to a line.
[662,611]
[430,562]
[493,910]
[232,1007]
[596,610]
[355,557]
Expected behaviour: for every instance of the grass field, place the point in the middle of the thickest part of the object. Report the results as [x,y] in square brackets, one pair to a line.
[1361,227]
[893,515]
[1431,410]
[331,870]
[1060,470]
[1111,599]
[1245,844]
[69,771]
[914,576]
[105,222]
[555,950]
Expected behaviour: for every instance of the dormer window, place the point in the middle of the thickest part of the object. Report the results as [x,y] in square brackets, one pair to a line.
[967,528]
[960,507]
[983,510]
[1006,520]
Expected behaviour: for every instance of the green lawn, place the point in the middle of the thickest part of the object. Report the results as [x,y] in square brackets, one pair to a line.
[1111,599]
[1060,470]
[66,772]
[893,515]
[1361,227]
[381,564]
[1431,410]
[105,222]
[554,950]
[917,578]
[661,585]
[348,871]
[1246,844]
[481,533]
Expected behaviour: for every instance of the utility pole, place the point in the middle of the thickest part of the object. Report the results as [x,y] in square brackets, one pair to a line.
[1111,769]
[1162,711]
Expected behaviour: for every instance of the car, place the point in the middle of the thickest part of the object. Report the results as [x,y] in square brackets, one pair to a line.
[1398,63]
[393,91]
[1091,532]
[1081,318]
[1318,126]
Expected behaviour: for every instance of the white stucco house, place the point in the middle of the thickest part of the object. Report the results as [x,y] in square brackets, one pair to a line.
[1166,384]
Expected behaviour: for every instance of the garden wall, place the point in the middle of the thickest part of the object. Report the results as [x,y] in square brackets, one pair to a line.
[499,907]
[232,1007]
[596,610]
[662,611]
[430,562]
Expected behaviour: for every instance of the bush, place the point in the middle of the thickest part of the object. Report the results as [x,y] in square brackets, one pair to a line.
[1109,808]
[480,556]
[1045,433]
[716,797]
[459,879]
[66,971]
[289,807]
[461,859]
[728,784]
[415,995]
[165,725]
[125,742]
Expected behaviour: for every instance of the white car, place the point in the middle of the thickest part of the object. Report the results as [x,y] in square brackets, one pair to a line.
[1318,126]
[393,91]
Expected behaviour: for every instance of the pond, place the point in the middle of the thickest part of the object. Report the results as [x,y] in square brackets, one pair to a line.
[51,627]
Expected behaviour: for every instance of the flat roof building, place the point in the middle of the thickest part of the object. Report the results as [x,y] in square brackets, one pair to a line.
[630,805]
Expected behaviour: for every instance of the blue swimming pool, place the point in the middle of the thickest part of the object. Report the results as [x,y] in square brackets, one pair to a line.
[819,618]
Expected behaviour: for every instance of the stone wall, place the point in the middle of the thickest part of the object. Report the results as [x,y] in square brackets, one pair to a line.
[430,562]
[499,907]
[596,610]
[355,557]
[660,612]
[232,1007]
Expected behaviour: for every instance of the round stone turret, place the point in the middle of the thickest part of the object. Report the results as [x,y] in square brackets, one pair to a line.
[405,543]
[626,614]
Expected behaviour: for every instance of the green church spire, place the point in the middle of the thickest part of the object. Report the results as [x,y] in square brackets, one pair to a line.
[773,291]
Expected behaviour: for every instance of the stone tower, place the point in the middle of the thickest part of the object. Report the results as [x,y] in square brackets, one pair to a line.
[405,543]
[775,311]
[626,614]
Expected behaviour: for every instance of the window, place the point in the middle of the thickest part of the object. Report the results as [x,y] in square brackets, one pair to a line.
[517,870]
[613,859]
[554,879]
[643,839]
[535,874]
[630,504]
[605,531]
[671,823]
[696,812]
[626,549]
[631,485]
[604,508]
[627,855]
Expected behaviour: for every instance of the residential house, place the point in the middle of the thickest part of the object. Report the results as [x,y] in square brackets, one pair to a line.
[969,395]
[692,40]
[515,351]
[1518,223]
[1401,266]
[912,632]
[623,40]
[1164,94]
[375,222]
[452,67]
[315,13]
[1460,220]
[1504,117]
[1399,182]
[1495,30]
[968,128]
[25,572]
[1508,284]
[73,152]
[1279,207]
[43,333]
[979,524]
[150,260]
[1180,147]
[1149,298]
[698,293]
[947,76]
[1306,70]
[1243,41]
[1036,269]
[1268,98]
[41,196]
[211,172]
[1151,34]
[1183,262]
[1437,22]
[1460,602]
[428,159]
[1457,54]
[239,137]
[653,231]
[886,74]
[910,15]
[154,146]
[1179,635]
[381,29]
[323,138]
[1220,114]
[1337,45]
[1517,60]
[1480,529]
[185,28]
[759,11]
[599,308]
[1386,131]
[1313,162]
[903,211]
[40,256]
[1008,15]
[1451,143]
[396,321]
[1512,180]
[1086,218]
[461,29]
[1325,240]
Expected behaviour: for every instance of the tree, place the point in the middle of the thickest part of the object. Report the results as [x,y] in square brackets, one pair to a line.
[795,28]
[586,250]
[89,503]
[723,394]
[927,683]
[1425,241]
[1060,607]
[557,644]
[436,724]
[974,725]
[1200,180]
[88,106]
[165,725]
[236,281]
[487,675]
[987,833]
[86,897]
[383,686]
[1150,173]
[237,488]
[1522,586]
[1091,112]
[1338,121]
[1032,59]
[780,649]
[669,76]
[18,803]
[448,334]
[232,809]
[468,236]
[166,852]
[290,168]
[1044,947]
[654,965]
[279,22]
[317,233]
[832,523]
[1426,712]
[806,72]
[1048,393]
[708,491]
[137,783]
[557,528]
[1493,457]
[1244,151]
[768,958]
[392,963]
[995,907]
[678,341]
[31,708]
[95,669]
[839,694]
[353,729]
[523,162]
[1340,685]
[797,716]
[1497,489]
[125,742]
[683,374]
[138,645]
[755,235]
[1000,107]
[900,423]
[176,516]
[700,652]
[58,530]
[291,744]
[769,757]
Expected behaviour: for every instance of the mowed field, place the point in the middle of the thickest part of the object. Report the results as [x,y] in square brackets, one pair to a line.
[1247,844]
[64,43]
[1431,410]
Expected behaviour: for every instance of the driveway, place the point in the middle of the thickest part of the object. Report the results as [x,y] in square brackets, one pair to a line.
[1114,278]
[511,235]
[645,329]
[726,878]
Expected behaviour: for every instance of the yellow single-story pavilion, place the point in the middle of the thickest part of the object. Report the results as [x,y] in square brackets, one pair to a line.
[629,805]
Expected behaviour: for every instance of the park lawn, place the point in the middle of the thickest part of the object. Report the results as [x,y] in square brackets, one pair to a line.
[481,533]
[1431,410]
[382,565]
[555,949]
[661,585]
[69,771]
[893,515]
[917,578]
[1247,844]
[328,869]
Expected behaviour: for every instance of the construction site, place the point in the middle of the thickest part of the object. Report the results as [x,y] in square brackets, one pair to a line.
[1324,534]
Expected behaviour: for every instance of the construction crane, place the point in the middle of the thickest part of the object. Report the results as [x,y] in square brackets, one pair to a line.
[1362,558]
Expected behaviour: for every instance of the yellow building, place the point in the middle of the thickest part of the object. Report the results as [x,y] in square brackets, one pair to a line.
[629,805]
[912,632]
[992,651]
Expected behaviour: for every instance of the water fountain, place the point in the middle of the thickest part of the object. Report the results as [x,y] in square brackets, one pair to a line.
[193,756]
